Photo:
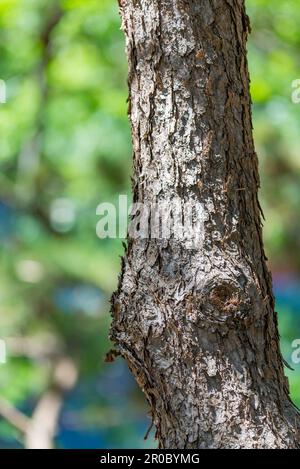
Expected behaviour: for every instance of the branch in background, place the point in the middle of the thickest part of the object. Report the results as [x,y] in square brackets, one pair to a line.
[13,416]
[30,155]
[40,430]
[43,425]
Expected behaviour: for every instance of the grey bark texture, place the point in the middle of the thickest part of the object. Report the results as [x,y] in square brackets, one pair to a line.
[197,326]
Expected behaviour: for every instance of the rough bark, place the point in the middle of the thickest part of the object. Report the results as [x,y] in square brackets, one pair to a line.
[197,326]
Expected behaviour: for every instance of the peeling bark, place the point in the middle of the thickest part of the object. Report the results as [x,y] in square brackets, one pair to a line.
[197,326]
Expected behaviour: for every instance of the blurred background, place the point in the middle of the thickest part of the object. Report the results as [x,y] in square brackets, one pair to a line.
[64,148]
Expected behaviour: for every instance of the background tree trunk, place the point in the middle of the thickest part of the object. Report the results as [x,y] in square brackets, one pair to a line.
[197,326]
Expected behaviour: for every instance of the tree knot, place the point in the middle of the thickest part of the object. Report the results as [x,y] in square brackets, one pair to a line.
[225,297]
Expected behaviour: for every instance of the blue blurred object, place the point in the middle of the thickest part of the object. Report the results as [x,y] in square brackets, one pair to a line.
[79,298]
[287,291]
[102,412]
[9,444]
[6,221]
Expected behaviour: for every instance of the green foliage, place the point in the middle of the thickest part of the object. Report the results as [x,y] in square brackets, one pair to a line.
[66,146]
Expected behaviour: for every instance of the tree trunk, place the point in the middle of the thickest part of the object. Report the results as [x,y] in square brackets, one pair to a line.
[197,325]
